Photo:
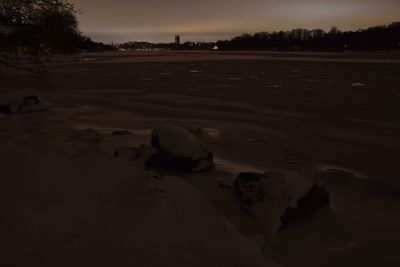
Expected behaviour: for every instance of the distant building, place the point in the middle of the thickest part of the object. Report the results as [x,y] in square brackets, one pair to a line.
[177,40]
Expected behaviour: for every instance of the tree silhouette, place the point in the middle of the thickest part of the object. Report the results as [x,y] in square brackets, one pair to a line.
[374,38]
[36,25]
[33,28]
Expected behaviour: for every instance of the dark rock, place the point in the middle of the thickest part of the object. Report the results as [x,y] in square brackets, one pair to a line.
[316,199]
[33,104]
[248,188]
[251,189]
[5,109]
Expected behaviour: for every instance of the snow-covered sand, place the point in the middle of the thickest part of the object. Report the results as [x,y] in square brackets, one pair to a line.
[96,211]
[67,201]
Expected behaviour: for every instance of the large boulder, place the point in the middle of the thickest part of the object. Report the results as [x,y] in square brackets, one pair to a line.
[179,149]
[276,198]
[32,104]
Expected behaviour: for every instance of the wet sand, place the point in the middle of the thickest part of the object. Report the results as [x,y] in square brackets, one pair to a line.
[331,116]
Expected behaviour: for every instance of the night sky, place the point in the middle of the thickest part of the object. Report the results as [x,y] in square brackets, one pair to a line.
[210,20]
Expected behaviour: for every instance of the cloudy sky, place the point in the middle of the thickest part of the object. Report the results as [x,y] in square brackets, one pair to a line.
[202,20]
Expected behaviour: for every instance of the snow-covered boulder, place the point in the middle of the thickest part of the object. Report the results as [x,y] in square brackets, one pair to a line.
[179,149]
[32,104]
[278,197]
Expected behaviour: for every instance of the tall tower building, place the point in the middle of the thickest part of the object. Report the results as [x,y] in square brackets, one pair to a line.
[177,40]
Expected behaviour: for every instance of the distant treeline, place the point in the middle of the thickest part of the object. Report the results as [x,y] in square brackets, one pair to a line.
[86,44]
[143,46]
[375,38]
[30,39]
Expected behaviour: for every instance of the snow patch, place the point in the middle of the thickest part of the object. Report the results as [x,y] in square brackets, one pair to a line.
[358,84]
[234,167]
[335,169]
[275,86]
